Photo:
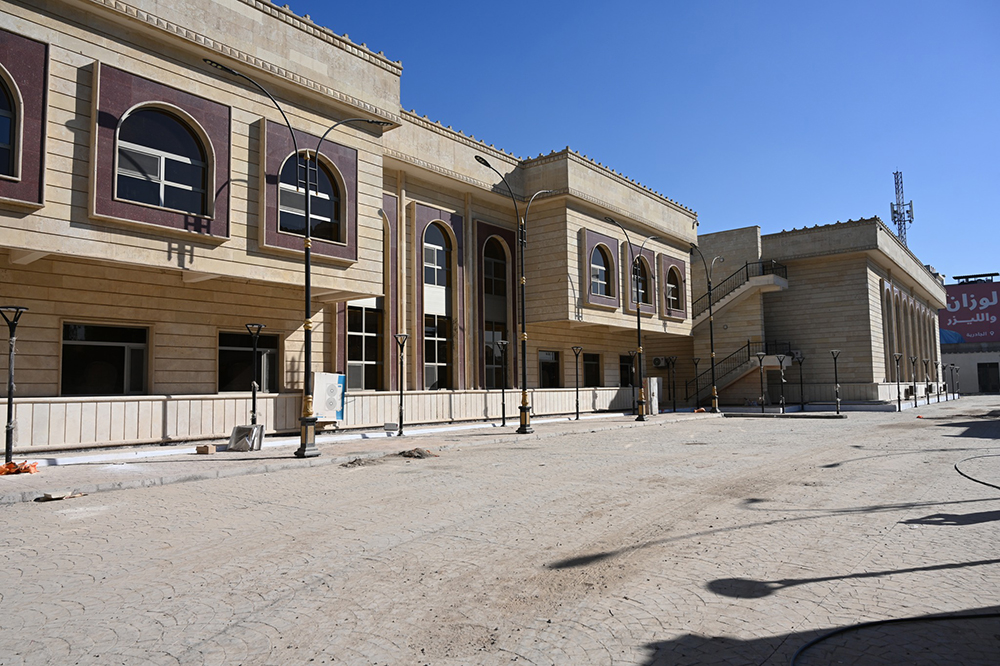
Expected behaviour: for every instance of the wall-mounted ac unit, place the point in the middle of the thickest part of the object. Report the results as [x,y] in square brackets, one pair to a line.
[659,361]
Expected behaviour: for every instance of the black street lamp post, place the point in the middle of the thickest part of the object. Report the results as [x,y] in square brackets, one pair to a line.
[951,371]
[711,324]
[577,350]
[958,382]
[401,343]
[760,365]
[836,379]
[254,330]
[672,361]
[781,370]
[307,447]
[522,240]
[15,312]
[503,384]
[927,381]
[937,377]
[899,395]
[913,365]
[697,389]
[641,405]
[802,395]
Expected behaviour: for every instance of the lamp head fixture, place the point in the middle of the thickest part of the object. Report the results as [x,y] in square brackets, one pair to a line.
[254,329]
[482,160]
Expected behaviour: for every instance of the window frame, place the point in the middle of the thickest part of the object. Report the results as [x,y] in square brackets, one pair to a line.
[10,90]
[24,68]
[162,157]
[118,94]
[668,264]
[365,335]
[126,368]
[324,166]
[448,342]
[270,363]
[557,361]
[598,270]
[593,361]
[589,240]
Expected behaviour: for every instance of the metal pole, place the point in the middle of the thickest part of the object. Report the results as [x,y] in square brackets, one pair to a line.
[577,350]
[254,330]
[958,382]
[711,320]
[899,394]
[631,380]
[673,380]
[927,382]
[937,378]
[401,343]
[836,378]
[522,239]
[697,389]
[802,394]
[16,312]
[781,369]
[760,364]
[913,364]
[503,385]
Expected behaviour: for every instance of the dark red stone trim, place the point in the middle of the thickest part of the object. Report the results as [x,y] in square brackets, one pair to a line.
[117,92]
[485,231]
[27,62]
[665,264]
[278,148]
[423,217]
[592,239]
[649,256]
[392,295]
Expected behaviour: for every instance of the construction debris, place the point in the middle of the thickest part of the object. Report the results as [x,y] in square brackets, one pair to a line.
[19,468]
[418,453]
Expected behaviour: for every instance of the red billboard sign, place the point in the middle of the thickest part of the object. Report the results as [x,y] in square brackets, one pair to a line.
[972,313]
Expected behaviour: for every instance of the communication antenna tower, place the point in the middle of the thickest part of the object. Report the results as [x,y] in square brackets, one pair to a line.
[902,213]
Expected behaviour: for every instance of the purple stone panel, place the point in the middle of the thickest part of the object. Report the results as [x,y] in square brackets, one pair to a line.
[392,295]
[484,231]
[650,257]
[27,62]
[666,262]
[424,216]
[119,92]
[279,148]
[591,240]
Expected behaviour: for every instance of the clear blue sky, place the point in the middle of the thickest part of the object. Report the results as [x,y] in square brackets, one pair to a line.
[780,114]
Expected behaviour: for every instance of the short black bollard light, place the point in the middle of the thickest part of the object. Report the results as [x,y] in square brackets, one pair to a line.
[781,369]
[672,368]
[577,350]
[836,379]
[401,343]
[958,383]
[913,364]
[760,364]
[15,312]
[800,357]
[899,394]
[937,377]
[927,382]
[254,331]
[697,389]
[503,385]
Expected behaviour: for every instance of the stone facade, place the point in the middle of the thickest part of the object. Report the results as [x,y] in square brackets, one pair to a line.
[139,279]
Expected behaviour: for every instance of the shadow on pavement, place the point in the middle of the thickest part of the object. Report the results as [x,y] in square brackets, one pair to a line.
[970,637]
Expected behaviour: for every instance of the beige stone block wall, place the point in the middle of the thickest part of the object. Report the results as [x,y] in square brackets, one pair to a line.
[827,306]
[736,246]
[184,321]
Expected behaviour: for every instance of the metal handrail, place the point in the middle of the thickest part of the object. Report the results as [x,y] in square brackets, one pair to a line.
[733,363]
[737,280]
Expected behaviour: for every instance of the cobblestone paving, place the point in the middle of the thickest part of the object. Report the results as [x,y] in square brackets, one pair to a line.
[717,541]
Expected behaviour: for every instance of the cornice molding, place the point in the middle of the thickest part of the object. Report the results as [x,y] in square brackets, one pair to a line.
[212,45]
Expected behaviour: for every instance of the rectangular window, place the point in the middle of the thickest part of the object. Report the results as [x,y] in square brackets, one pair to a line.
[364,349]
[625,370]
[236,371]
[492,333]
[591,369]
[548,369]
[437,352]
[103,360]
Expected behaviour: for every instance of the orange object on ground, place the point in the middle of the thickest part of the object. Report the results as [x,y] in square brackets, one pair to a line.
[19,468]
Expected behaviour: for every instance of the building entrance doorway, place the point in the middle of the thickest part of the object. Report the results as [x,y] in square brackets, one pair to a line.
[989,377]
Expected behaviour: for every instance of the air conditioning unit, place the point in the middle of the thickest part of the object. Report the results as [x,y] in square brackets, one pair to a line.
[659,361]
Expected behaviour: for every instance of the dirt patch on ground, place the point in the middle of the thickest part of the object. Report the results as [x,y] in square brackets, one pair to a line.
[362,462]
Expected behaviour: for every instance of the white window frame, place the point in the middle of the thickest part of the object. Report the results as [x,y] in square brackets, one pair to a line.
[160,178]
[364,334]
[599,273]
[284,187]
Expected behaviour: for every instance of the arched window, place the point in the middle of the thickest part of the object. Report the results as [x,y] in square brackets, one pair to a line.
[494,310]
[644,296]
[325,206]
[8,131]
[674,289]
[437,309]
[600,265]
[161,162]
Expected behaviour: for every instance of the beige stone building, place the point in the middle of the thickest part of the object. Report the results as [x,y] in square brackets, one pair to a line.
[152,206]
[801,294]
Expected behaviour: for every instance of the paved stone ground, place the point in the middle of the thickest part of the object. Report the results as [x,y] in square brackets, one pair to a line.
[706,541]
